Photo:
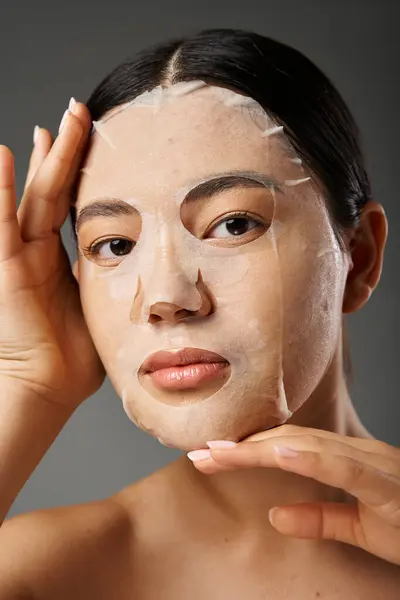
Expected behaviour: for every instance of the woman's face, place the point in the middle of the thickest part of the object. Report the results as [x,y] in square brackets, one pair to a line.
[197,229]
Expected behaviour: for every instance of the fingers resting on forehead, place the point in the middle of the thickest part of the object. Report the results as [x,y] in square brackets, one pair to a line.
[52,171]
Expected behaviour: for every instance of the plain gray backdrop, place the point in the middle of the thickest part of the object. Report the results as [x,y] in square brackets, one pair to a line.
[50,51]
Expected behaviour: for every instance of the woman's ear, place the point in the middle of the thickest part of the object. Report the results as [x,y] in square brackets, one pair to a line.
[366,251]
[75,270]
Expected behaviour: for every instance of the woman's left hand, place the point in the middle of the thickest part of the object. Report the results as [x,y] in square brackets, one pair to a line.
[367,469]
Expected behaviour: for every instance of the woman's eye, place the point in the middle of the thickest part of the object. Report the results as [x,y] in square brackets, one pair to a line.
[234,226]
[112,248]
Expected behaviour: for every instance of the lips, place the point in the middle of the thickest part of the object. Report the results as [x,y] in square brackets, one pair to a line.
[179,358]
[185,369]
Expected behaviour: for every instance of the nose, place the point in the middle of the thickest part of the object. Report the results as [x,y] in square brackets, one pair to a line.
[180,299]
[171,313]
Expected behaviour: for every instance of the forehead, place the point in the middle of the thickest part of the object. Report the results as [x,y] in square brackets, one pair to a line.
[151,150]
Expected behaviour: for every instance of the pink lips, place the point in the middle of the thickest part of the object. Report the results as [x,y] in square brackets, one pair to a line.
[184,368]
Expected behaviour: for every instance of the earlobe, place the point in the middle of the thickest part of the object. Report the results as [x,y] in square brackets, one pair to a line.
[366,250]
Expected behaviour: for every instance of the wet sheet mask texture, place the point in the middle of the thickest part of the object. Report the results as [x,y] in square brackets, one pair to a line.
[169,264]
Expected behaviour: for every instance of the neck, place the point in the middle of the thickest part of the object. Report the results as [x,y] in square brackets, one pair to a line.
[244,496]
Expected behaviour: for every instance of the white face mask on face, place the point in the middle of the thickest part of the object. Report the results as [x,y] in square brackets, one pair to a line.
[190,162]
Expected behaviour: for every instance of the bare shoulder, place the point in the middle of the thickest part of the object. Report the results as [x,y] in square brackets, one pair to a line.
[64,547]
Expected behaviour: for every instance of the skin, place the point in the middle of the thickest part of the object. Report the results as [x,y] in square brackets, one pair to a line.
[296,309]
[145,533]
[315,383]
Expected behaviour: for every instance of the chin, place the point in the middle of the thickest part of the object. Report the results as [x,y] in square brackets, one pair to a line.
[196,438]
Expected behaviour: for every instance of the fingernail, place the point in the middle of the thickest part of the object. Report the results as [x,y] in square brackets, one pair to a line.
[221,444]
[195,455]
[63,120]
[272,513]
[286,452]
[36,131]
[72,104]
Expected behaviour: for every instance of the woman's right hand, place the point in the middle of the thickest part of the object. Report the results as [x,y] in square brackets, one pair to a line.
[45,346]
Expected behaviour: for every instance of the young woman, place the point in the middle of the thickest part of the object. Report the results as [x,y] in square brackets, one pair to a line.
[224,225]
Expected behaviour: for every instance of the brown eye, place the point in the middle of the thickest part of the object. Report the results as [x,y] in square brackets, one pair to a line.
[112,248]
[120,247]
[238,226]
[234,227]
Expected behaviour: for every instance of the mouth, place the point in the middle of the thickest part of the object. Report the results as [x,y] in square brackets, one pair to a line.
[184,368]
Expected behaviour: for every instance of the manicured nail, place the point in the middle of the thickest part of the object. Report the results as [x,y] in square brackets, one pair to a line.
[63,120]
[36,131]
[72,104]
[286,452]
[271,513]
[195,455]
[221,444]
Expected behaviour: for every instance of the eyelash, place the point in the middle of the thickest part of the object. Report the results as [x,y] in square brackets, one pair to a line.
[94,249]
[236,215]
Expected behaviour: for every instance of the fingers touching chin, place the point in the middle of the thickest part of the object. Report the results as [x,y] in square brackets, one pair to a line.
[209,466]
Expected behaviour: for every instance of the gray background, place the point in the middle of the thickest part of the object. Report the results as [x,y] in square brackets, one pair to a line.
[50,51]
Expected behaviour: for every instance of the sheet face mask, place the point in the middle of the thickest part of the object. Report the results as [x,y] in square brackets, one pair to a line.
[156,154]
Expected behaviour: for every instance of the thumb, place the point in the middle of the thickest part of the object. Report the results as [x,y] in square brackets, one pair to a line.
[318,520]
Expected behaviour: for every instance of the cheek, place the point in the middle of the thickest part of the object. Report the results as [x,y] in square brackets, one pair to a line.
[102,313]
[249,284]
[312,300]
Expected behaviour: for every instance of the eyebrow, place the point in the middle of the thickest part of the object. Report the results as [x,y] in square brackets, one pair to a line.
[212,186]
[103,207]
[234,179]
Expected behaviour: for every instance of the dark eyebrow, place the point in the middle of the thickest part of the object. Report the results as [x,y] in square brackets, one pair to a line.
[114,207]
[234,179]
[103,207]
